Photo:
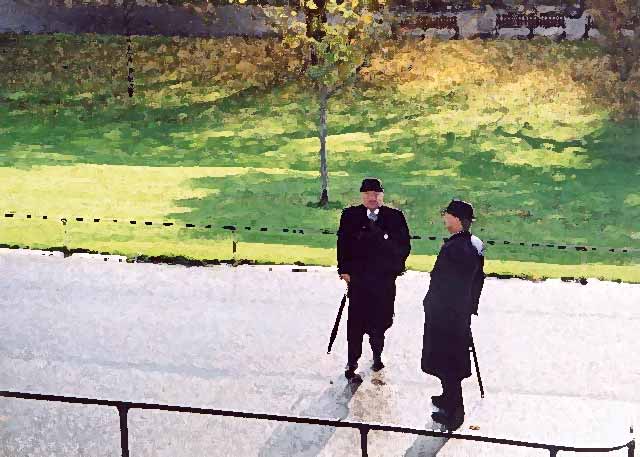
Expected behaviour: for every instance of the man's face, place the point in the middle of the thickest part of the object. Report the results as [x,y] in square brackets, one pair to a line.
[372,199]
[451,223]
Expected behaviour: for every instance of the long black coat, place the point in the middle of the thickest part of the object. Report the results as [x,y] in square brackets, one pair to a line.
[454,292]
[373,254]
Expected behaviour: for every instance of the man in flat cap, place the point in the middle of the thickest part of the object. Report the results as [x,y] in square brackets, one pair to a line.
[454,291]
[373,245]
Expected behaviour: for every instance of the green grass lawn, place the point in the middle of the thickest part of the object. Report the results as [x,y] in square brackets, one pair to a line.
[529,146]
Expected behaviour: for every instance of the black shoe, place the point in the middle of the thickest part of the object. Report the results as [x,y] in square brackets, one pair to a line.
[377,365]
[352,376]
[438,401]
[451,419]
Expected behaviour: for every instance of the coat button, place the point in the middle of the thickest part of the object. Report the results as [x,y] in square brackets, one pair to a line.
[386,236]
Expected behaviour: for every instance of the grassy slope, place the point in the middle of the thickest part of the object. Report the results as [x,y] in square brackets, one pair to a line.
[522,134]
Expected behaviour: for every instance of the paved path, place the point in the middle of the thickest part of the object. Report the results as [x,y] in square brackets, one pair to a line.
[253,339]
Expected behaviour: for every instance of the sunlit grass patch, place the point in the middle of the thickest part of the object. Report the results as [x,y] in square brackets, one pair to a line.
[516,128]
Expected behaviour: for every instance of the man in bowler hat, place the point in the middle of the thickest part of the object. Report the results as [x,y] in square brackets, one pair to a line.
[454,291]
[373,245]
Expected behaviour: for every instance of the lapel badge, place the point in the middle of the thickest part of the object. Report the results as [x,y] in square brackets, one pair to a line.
[386,237]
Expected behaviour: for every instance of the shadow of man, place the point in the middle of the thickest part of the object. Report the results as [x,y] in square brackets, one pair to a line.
[309,440]
[427,446]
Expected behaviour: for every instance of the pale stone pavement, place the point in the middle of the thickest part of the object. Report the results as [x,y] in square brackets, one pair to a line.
[560,361]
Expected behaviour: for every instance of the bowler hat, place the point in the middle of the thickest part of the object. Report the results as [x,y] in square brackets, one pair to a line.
[371,184]
[460,209]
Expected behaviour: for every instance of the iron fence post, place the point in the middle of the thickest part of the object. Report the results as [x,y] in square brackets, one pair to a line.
[124,430]
[364,431]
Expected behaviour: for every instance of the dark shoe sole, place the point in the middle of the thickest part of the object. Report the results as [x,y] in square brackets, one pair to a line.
[353,378]
[377,366]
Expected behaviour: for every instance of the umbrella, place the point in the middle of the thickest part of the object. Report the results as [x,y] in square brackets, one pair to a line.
[334,331]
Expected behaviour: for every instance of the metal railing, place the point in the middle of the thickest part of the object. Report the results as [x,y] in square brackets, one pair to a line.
[123,408]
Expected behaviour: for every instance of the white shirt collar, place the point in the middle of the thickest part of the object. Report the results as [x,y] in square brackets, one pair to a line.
[375,211]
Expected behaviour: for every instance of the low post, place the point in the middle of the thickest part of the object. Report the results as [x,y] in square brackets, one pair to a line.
[124,430]
[632,448]
[234,247]
[364,431]
[64,236]
[553,451]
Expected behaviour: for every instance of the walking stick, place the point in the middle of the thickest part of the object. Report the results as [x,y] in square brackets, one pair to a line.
[334,331]
[475,359]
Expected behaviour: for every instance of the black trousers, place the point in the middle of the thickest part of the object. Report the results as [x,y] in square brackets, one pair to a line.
[371,310]
[376,340]
[452,392]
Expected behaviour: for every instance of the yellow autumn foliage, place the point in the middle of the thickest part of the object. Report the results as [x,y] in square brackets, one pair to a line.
[487,72]
[77,64]
[491,71]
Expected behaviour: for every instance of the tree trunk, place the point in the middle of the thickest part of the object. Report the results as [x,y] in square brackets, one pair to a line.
[315,19]
[616,48]
[626,66]
[629,55]
[322,133]
[130,86]
[128,5]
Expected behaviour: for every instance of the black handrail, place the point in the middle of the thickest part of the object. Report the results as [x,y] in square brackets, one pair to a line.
[364,427]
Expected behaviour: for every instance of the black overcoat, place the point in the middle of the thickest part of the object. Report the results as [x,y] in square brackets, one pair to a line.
[454,292]
[373,254]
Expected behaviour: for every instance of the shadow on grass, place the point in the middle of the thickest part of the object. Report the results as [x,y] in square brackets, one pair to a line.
[591,204]
[254,201]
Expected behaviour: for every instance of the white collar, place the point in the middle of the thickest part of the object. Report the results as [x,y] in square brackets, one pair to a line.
[375,211]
